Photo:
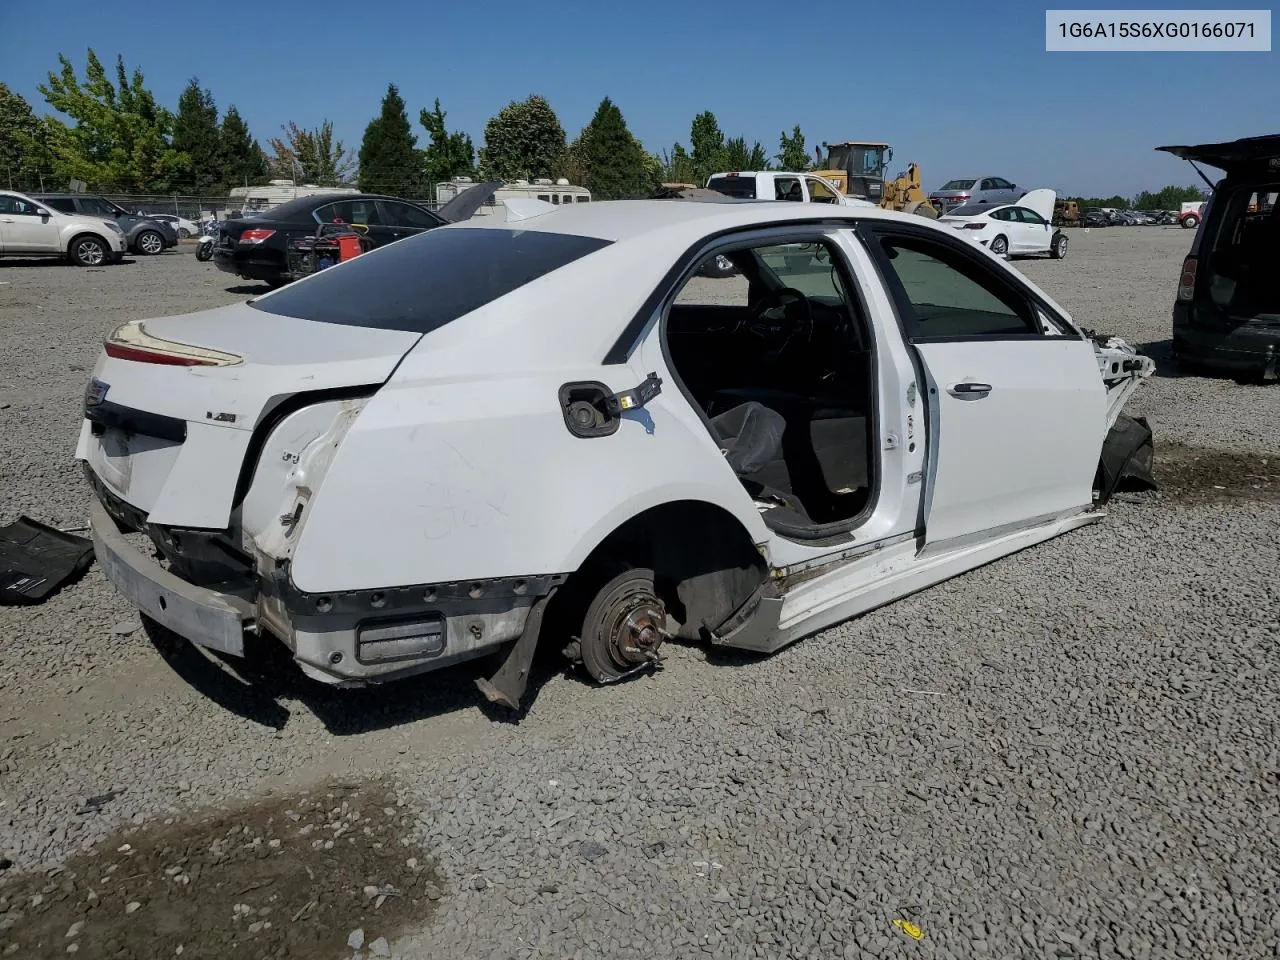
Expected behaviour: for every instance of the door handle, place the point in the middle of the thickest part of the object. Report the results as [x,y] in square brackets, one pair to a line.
[969,391]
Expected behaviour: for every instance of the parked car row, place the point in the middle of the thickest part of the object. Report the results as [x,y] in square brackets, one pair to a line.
[88,230]
[1111,217]
[31,229]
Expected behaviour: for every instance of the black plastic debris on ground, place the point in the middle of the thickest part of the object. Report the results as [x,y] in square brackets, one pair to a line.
[1127,456]
[37,560]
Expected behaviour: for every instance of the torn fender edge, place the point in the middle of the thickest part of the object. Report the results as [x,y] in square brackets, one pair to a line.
[1122,370]
[1126,463]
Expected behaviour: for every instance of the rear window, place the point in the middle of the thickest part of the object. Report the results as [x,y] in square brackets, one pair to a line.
[421,283]
[959,185]
[741,187]
[969,210]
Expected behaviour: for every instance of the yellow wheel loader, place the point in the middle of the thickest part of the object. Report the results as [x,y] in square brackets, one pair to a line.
[858,167]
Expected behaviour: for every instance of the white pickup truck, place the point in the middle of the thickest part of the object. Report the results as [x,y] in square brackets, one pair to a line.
[780,185]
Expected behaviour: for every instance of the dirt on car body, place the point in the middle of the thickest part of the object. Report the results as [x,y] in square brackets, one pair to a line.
[286,877]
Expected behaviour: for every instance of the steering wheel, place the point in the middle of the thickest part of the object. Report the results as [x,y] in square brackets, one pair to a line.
[780,318]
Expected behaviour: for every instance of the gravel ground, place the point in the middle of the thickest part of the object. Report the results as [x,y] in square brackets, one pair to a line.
[1070,752]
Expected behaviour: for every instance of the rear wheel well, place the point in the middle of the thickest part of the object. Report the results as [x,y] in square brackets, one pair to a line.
[704,562]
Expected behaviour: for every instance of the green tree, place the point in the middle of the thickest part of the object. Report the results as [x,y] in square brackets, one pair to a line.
[792,153]
[677,166]
[240,159]
[390,161]
[312,156]
[21,142]
[1168,198]
[757,159]
[735,155]
[448,155]
[707,141]
[611,162]
[525,140]
[197,137]
[120,136]
[1117,201]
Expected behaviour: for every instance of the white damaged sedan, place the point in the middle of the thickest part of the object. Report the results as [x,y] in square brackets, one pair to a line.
[1024,228]
[550,426]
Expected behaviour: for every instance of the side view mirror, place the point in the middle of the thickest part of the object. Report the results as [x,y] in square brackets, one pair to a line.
[42,213]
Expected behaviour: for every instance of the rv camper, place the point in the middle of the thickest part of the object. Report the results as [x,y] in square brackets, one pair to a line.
[276,192]
[552,191]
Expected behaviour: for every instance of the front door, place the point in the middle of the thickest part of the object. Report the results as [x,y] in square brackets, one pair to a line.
[23,229]
[1017,414]
[1036,230]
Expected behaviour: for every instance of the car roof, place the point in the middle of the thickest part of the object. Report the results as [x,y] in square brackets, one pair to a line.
[620,220]
[309,203]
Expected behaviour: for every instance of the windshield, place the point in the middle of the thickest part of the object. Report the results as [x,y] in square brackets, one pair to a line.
[423,282]
[969,210]
[959,185]
[859,160]
[742,187]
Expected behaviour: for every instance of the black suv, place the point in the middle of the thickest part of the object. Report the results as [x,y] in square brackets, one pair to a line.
[143,236]
[1227,313]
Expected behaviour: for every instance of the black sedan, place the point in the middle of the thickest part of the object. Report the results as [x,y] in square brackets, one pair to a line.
[255,247]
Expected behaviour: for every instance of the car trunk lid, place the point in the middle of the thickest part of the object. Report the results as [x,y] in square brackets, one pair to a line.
[1248,153]
[172,410]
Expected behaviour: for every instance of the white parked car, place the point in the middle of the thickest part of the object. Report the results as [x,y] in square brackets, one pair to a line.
[183,227]
[1023,228]
[32,229]
[497,431]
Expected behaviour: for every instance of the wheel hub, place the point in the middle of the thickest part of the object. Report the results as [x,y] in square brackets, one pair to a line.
[636,631]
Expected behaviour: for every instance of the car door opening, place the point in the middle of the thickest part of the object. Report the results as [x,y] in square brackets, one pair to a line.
[779,360]
[1242,254]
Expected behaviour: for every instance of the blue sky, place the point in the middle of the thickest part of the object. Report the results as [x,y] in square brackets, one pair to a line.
[987,99]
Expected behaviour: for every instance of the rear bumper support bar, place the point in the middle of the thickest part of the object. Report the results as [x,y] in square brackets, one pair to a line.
[206,617]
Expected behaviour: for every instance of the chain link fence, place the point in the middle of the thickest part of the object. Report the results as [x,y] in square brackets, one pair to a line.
[192,207]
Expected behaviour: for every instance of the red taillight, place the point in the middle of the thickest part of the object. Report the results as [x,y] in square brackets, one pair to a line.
[975,226]
[256,235]
[130,341]
[140,355]
[1187,282]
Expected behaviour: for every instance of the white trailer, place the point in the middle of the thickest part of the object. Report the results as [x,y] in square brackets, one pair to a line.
[276,192]
[550,191]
